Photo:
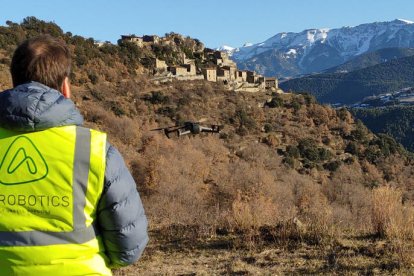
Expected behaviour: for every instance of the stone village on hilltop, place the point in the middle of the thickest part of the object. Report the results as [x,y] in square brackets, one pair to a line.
[216,66]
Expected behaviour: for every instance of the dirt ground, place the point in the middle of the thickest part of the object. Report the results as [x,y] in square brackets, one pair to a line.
[219,256]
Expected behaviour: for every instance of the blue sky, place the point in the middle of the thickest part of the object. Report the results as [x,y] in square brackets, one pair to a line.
[217,23]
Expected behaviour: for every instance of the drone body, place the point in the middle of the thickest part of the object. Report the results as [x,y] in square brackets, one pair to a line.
[190,128]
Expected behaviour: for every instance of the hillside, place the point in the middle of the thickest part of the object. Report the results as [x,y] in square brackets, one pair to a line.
[370,59]
[349,88]
[289,186]
[396,121]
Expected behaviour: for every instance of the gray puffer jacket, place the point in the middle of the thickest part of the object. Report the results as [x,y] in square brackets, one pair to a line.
[121,218]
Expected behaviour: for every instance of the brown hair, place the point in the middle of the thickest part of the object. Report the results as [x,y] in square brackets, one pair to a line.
[44,59]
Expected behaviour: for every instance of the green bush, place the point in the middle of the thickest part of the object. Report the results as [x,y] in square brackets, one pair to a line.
[333,166]
[93,77]
[170,112]
[244,119]
[36,26]
[360,132]
[372,154]
[130,54]
[116,109]
[242,131]
[296,106]
[352,148]
[308,149]
[276,102]
[292,151]
[309,164]
[157,97]
[268,128]
[324,154]
[387,144]
[289,161]
[309,98]
[342,113]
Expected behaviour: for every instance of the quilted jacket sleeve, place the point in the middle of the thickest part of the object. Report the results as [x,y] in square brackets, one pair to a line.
[121,216]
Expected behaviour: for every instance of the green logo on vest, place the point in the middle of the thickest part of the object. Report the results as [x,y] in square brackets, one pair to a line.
[22,163]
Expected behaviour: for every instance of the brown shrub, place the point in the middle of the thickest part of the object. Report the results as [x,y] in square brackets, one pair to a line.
[175,172]
[373,176]
[350,199]
[252,212]
[206,88]
[319,114]
[272,140]
[315,211]
[5,78]
[386,204]
[395,222]
[123,129]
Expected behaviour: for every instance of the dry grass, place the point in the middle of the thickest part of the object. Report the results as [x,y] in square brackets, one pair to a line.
[394,221]
[216,256]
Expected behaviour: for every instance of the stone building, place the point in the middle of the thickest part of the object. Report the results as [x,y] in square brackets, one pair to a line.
[241,76]
[151,38]
[223,59]
[185,60]
[189,61]
[261,79]
[160,64]
[132,38]
[178,70]
[210,74]
[208,51]
[191,69]
[99,43]
[221,55]
[232,72]
[229,62]
[223,75]
[218,61]
[166,42]
[252,77]
[271,83]
[223,72]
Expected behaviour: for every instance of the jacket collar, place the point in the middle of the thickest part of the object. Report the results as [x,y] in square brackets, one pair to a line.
[33,106]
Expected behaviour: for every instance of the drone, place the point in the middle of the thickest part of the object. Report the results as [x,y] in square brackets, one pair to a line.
[189,128]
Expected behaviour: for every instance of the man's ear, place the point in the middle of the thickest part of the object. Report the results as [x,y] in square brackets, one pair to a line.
[65,89]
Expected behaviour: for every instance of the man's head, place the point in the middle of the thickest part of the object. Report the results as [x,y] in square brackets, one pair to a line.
[44,59]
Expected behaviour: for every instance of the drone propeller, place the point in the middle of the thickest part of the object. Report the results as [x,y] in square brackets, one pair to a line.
[155,129]
[165,128]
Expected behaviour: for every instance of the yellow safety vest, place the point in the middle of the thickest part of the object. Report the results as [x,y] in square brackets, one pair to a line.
[50,185]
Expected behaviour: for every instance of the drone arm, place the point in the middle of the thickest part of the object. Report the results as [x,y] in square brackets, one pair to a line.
[167,133]
[183,132]
[213,128]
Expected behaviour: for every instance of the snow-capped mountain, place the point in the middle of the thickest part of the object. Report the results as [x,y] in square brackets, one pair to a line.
[314,50]
[228,49]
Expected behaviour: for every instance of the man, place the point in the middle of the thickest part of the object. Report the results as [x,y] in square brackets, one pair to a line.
[68,204]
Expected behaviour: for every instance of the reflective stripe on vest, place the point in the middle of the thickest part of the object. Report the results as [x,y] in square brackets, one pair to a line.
[81,232]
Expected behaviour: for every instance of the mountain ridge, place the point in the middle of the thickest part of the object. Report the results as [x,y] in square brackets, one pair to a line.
[314,50]
[352,87]
[370,59]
